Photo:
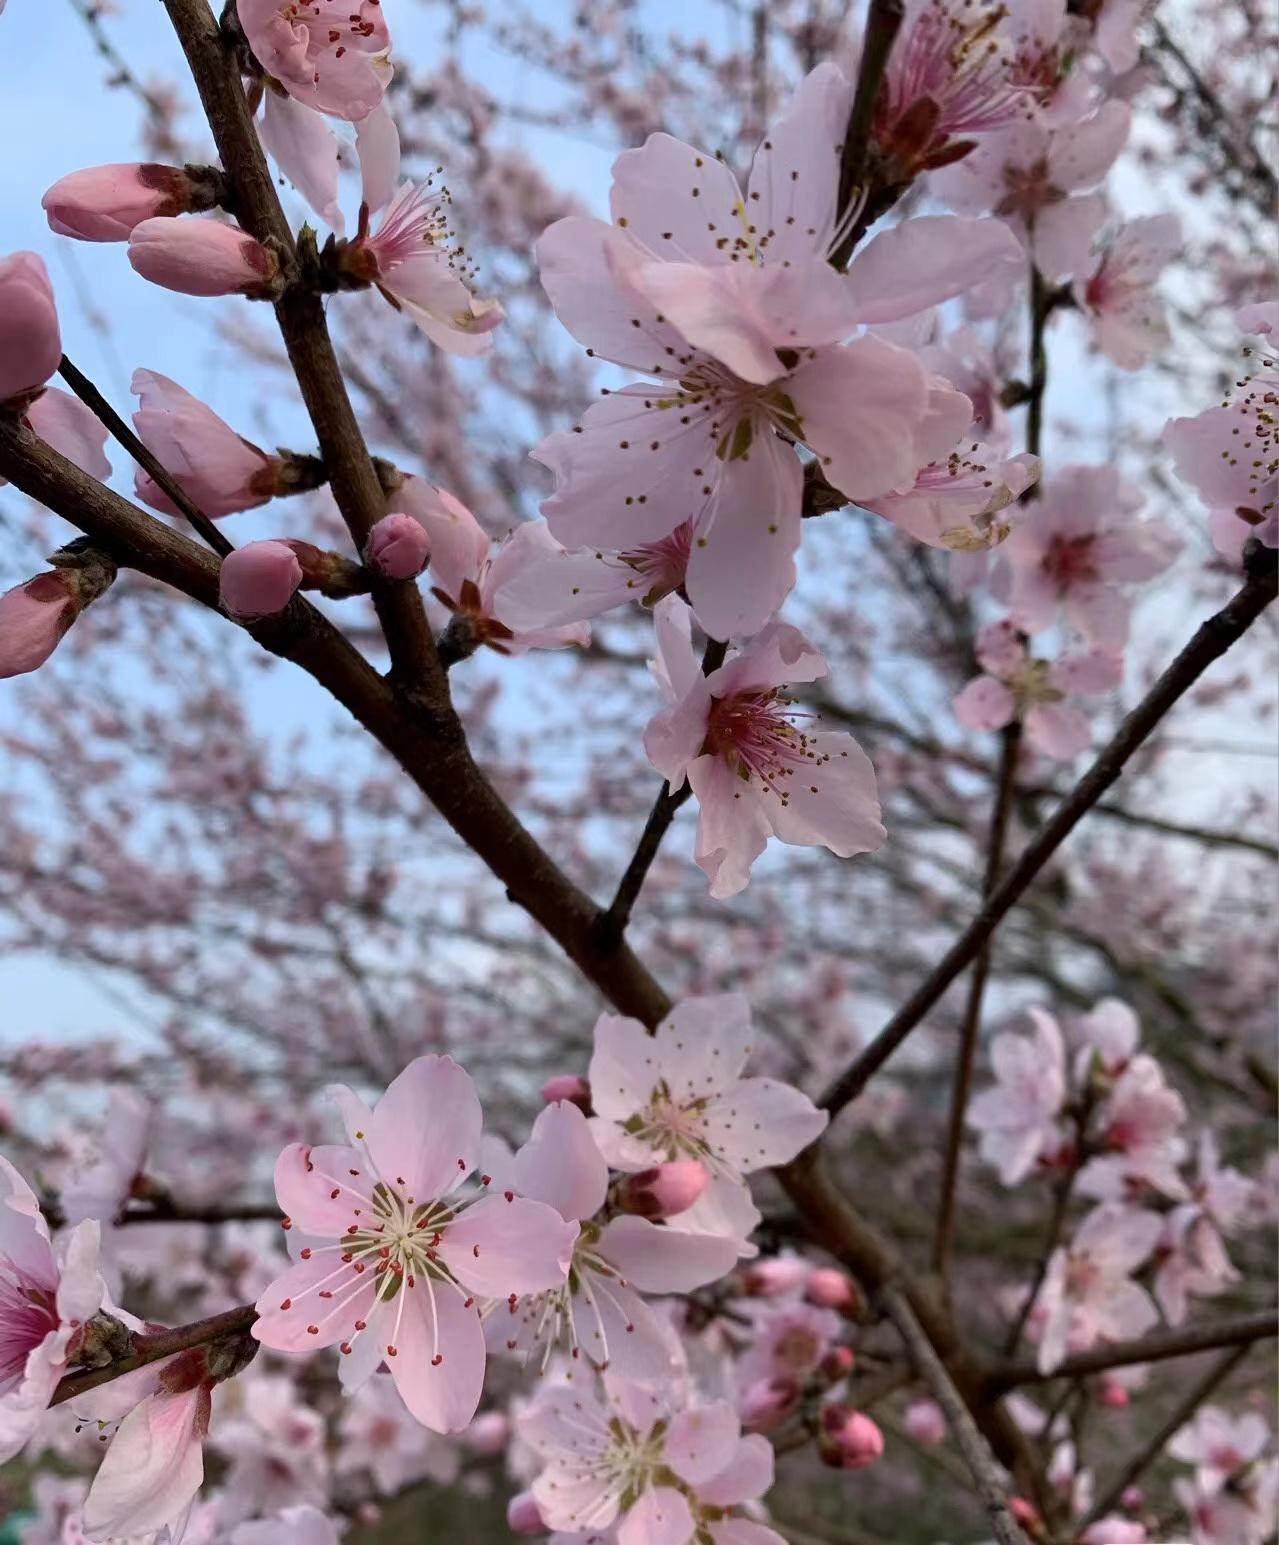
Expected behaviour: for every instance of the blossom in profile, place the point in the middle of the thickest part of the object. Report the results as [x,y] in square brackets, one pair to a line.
[203,257]
[1139,1131]
[331,58]
[1117,296]
[105,203]
[756,770]
[1191,1257]
[959,503]
[1089,1294]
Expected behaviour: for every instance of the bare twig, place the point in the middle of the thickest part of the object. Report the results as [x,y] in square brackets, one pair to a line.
[883,21]
[152,1347]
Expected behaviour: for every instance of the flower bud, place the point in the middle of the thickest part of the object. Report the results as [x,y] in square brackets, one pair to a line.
[1026,1514]
[836,1364]
[1114,1531]
[664,1191]
[30,343]
[104,203]
[35,615]
[398,547]
[831,1289]
[204,257]
[1133,1499]
[523,1516]
[259,579]
[924,1421]
[778,1275]
[1113,1395]
[488,1433]
[570,1087]
[767,1401]
[848,1439]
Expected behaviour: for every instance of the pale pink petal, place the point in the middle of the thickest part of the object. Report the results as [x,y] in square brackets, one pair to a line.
[927,260]
[759,1122]
[656,1258]
[306,151]
[562,587]
[439,1359]
[152,1469]
[747,1475]
[725,1210]
[676,667]
[81,1289]
[794,181]
[64,422]
[1101,613]
[984,704]
[831,799]
[1058,730]
[704,1043]
[1064,233]
[662,1516]
[674,737]
[776,657]
[377,143]
[291,1305]
[679,202]
[560,1164]
[742,1531]
[1081,157]
[306,1178]
[1000,649]
[732,826]
[425,1135]
[701,1441]
[506,1244]
[623,1068]
[1087,674]
[860,406]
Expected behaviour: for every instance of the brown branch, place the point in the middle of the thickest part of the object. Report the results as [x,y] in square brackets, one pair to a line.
[974,1448]
[1181,1414]
[1155,1348]
[1005,795]
[1213,638]
[151,1348]
[883,21]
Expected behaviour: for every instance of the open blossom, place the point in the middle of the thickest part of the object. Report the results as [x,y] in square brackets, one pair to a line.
[399,1254]
[107,1172]
[628,1455]
[680,1094]
[788,1342]
[276,1446]
[1230,457]
[925,1422]
[1080,550]
[332,55]
[104,203]
[1192,1259]
[203,257]
[956,503]
[1139,1128]
[379,1437]
[47,1298]
[291,1526]
[471,580]
[1017,1120]
[1243,1514]
[1088,1293]
[1220,1445]
[1109,1034]
[220,470]
[1037,180]
[1118,297]
[963,358]
[755,772]
[598,1314]
[1018,686]
[727,300]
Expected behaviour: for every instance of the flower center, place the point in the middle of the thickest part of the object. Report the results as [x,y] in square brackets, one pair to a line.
[28,1312]
[1071,560]
[755,734]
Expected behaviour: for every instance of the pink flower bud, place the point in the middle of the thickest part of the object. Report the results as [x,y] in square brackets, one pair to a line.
[398,547]
[488,1433]
[665,1190]
[924,1421]
[259,579]
[771,1278]
[568,1086]
[33,618]
[1133,1499]
[848,1439]
[523,1516]
[766,1402]
[30,344]
[203,257]
[831,1289]
[1113,1395]
[1114,1531]
[104,203]
[836,1364]
[1026,1514]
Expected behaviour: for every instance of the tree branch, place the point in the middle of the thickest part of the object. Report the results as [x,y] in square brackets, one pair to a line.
[150,1348]
[883,21]
[1213,638]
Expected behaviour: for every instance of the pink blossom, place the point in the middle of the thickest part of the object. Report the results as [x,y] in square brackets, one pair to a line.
[788,1341]
[925,1422]
[742,327]
[848,1439]
[955,503]
[304,1525]
[1115,37]
[681,1094]
[1018,1119]
[523,1516]
[831,1288]
[203,257]
[1078,553]
[379,1437]
[568,1086]
[109,1169]
[398,547]
[408,1254]
[104,203]
[258,579]
[34,616]
[665,1190]
[1109,1032]
[46,1300]
[1017,686]
[607,1458]
[1138,1128]
[601,1315]
[276,1445]
[763,1404]
[1125,315]
[1230,456]
[30,343]
[964,359]
[1114,1530]
[1220,1445]
[1088,1294]
[1037,180]
[470,582]
[755,772]
[777,1275]
[1192,1257]
[332,57]
[489,1433]
[1242,1515]
[220,470]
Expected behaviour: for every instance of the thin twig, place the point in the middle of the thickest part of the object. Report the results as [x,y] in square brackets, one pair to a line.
[151,1348]
[1133,1471]
[883,21]
[1213,638]
[98,405]
[974,1448]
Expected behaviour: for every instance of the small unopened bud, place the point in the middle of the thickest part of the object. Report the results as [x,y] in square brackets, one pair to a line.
[35,616]
[259,579]
[924,1421]
[767,1401]
[523,1516]
[398,547]
[570,1087]
[836,1364]
[204,257]
[831,1289]
[105,203]
[488,1433]
[848,1440]
[1113,1395]
[778,1275]
[1133,1499]
[1026,1514]
[664,1191]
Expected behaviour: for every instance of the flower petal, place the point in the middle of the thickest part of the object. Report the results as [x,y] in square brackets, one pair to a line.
[425,1135]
